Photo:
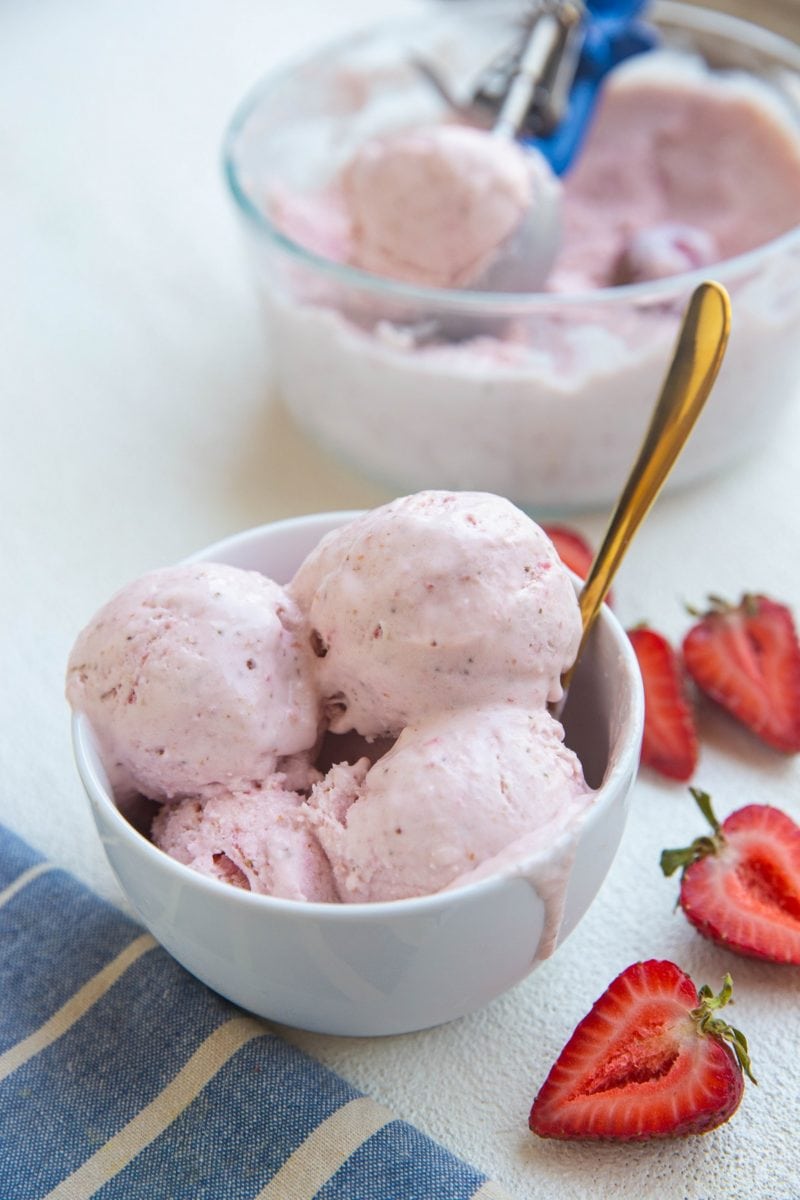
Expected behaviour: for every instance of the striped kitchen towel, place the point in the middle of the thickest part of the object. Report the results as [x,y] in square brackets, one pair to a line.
[122,1076]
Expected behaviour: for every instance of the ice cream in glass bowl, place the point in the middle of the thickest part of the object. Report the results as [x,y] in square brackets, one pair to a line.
[322,759]
[389,342]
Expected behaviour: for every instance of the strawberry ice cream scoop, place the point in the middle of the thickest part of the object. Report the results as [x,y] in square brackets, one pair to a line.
[255,840]
[197,678]
[663,250]
[433,602]
[453,792]
[451,206]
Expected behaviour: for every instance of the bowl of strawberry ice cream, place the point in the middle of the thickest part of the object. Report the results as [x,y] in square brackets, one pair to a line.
[362,882]
[400,338]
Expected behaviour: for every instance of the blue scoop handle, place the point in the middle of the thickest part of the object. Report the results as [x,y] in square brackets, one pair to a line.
[612,32]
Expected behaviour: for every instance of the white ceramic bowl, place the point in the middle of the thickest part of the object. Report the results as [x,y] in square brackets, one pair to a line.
[553,420]
[363,969]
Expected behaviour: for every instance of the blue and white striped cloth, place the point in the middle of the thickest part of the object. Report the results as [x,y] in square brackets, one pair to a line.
[124,1078]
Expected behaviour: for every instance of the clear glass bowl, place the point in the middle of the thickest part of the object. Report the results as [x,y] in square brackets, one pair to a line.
[412,386]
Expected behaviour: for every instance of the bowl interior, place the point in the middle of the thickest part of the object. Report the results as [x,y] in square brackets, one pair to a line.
[301,123]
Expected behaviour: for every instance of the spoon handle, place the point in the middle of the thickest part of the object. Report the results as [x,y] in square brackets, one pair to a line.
[695,364]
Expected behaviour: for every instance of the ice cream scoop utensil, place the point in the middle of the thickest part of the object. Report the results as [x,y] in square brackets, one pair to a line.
[543,89]
[470,167]
[526,85]
[524,261]
[548,56]
[539,95]
[695,364]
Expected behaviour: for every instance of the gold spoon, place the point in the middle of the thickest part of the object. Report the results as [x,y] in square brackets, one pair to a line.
[695,364]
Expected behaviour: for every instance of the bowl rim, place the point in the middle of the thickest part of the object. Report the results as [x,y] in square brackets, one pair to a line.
[690,16]
[626,748]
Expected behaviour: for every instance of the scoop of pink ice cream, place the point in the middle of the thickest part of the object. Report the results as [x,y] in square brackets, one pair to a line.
[435,206]
[256,840]
[432,602]
[453,791]
[196,678]
[664,250]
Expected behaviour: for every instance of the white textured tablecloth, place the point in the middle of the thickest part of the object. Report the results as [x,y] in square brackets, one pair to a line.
[138,426]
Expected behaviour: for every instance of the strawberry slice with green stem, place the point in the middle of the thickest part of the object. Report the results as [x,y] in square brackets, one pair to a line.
[650,1060]
[669,744]
[746,657]
[740,885]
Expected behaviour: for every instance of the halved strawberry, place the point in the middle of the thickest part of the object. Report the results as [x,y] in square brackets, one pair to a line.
[669,744]
[746,657]
[651,1060]
[573,550]
[741,886]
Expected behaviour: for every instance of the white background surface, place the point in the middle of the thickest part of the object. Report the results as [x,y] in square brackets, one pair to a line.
[138,425]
